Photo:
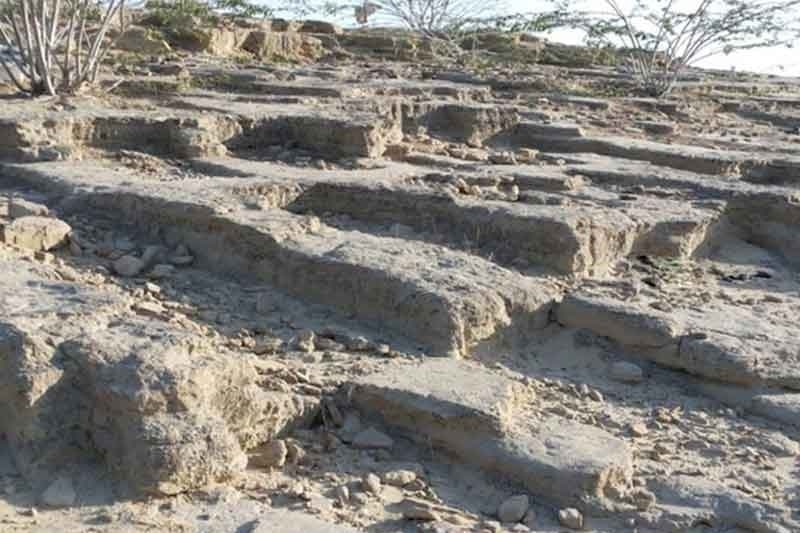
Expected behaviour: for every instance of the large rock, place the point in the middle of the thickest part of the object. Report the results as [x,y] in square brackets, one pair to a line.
[526,132]
[37,411]
[327,134]
[143,41]
[290,46]
[383,43]
[20,207]
[38,406]
[36,233]
[167,454]
[169,415]
[214,41]
[471,123]
[625,372]
[682,157]
[225,41]
[577,241]
[155,413]
[128,266]
[492,41]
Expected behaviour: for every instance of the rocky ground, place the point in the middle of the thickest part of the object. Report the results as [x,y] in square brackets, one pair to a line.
[371,293]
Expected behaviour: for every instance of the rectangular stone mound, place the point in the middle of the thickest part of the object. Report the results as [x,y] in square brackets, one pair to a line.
[474,414]
[462,122]
[66,136]
[724,344]
[577,241]
[330,136]
[682,157]
[165,413]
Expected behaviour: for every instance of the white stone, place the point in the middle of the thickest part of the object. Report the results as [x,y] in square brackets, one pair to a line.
[342,494]
[371,483]
[358,344]
[399,478]
[571,518]
[151,309]
[305,341]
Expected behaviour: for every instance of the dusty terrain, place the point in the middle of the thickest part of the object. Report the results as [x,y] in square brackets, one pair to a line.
[369,293]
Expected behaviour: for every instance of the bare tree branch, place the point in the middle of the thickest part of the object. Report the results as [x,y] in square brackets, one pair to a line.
[664,40]
[53,46]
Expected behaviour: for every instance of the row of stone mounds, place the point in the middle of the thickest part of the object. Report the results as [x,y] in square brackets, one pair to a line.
[272,40]
[310,40]
[269,40]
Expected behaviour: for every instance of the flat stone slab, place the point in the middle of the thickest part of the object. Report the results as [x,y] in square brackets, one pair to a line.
[683,157]
[581,101]
[783,407]
[621,172]
[527,132]
[702,499]
[456,394]
[470,412]
[722,343]
[538,178]
[768,213]
[627,324]
[781,172]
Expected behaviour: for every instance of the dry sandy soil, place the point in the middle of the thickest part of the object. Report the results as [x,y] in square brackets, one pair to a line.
[362,294]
